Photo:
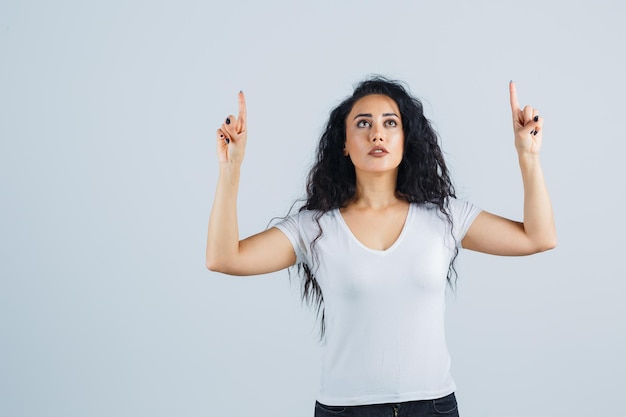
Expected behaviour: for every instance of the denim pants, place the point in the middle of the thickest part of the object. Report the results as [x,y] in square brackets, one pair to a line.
[445,406]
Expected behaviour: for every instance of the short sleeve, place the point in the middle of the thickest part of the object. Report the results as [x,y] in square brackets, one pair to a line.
[292,228]
[463,214]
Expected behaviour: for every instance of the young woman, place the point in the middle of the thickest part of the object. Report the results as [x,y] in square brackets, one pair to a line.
[375,243]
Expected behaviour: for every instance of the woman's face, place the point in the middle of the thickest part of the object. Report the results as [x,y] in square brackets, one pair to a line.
[374,134]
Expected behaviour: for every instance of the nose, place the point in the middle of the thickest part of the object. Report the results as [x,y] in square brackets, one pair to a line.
[376,134]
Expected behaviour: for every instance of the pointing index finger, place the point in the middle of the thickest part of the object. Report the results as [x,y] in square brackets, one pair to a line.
[514,102]
[241,125]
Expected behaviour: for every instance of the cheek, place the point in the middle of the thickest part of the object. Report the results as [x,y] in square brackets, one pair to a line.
[399,140]
[353,139]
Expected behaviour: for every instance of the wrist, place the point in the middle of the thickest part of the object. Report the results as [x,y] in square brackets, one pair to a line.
[528,158]
[229,167]
[529,165]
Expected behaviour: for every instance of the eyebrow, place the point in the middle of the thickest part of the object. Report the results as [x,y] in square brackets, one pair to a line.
[370,115]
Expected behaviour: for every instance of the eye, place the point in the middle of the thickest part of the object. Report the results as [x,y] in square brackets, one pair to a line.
[392,123]
[363,123]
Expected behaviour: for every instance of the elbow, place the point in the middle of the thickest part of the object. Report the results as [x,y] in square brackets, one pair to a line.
[215,259]
[222,266]
[547,245]
[211,265]
[552,244]
[214,265]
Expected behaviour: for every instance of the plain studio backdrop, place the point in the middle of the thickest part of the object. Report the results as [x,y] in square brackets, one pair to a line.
[108,112]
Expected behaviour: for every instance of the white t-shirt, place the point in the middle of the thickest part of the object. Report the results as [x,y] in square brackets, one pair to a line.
[384,310]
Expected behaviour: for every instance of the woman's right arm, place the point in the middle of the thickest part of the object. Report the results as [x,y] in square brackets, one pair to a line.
[264,252]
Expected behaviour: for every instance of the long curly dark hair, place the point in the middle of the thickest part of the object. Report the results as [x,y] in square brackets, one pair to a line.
[422,175]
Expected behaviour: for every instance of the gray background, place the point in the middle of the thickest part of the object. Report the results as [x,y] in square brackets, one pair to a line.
[107,165]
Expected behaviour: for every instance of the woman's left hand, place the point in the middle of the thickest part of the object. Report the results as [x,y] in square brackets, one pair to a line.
[527,126]
[497,235]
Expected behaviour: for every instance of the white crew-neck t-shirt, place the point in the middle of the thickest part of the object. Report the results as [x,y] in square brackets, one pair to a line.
[384,310]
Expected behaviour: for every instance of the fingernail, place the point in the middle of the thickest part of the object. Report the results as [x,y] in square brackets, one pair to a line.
[227,141]
[536,118]
[240,91]
[532,132]
[228,120]
[221,136]
[535,133]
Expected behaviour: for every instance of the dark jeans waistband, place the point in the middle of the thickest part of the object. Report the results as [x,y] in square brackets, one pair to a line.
[438,407]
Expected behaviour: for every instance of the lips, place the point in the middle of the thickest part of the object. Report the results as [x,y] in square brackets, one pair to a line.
[378,151]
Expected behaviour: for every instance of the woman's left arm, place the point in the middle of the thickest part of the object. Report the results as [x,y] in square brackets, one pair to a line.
[499,236]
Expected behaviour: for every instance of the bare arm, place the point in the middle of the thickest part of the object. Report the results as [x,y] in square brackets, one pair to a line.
[265,252]
[496,235]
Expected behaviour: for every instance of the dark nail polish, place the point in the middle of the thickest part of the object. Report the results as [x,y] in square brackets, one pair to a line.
[227,141]
[535,133]
[536,118]
[228,120]
[221,136]
[532,132]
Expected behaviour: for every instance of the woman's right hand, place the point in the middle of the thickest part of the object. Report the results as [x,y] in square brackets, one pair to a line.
[265,252]
[232,136]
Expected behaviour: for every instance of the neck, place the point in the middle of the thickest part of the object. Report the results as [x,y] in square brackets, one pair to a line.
[375,190]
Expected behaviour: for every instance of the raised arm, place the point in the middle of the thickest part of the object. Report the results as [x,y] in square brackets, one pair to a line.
[265,252]
[499,236]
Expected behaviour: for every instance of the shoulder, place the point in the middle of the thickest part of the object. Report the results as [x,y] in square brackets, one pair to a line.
[459,210]
[452,204]
[306,219]
[307,216]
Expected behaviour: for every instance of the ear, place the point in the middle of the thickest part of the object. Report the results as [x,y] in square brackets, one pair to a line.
[345,151]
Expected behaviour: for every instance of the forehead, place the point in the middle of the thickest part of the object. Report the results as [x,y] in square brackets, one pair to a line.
[374,104]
